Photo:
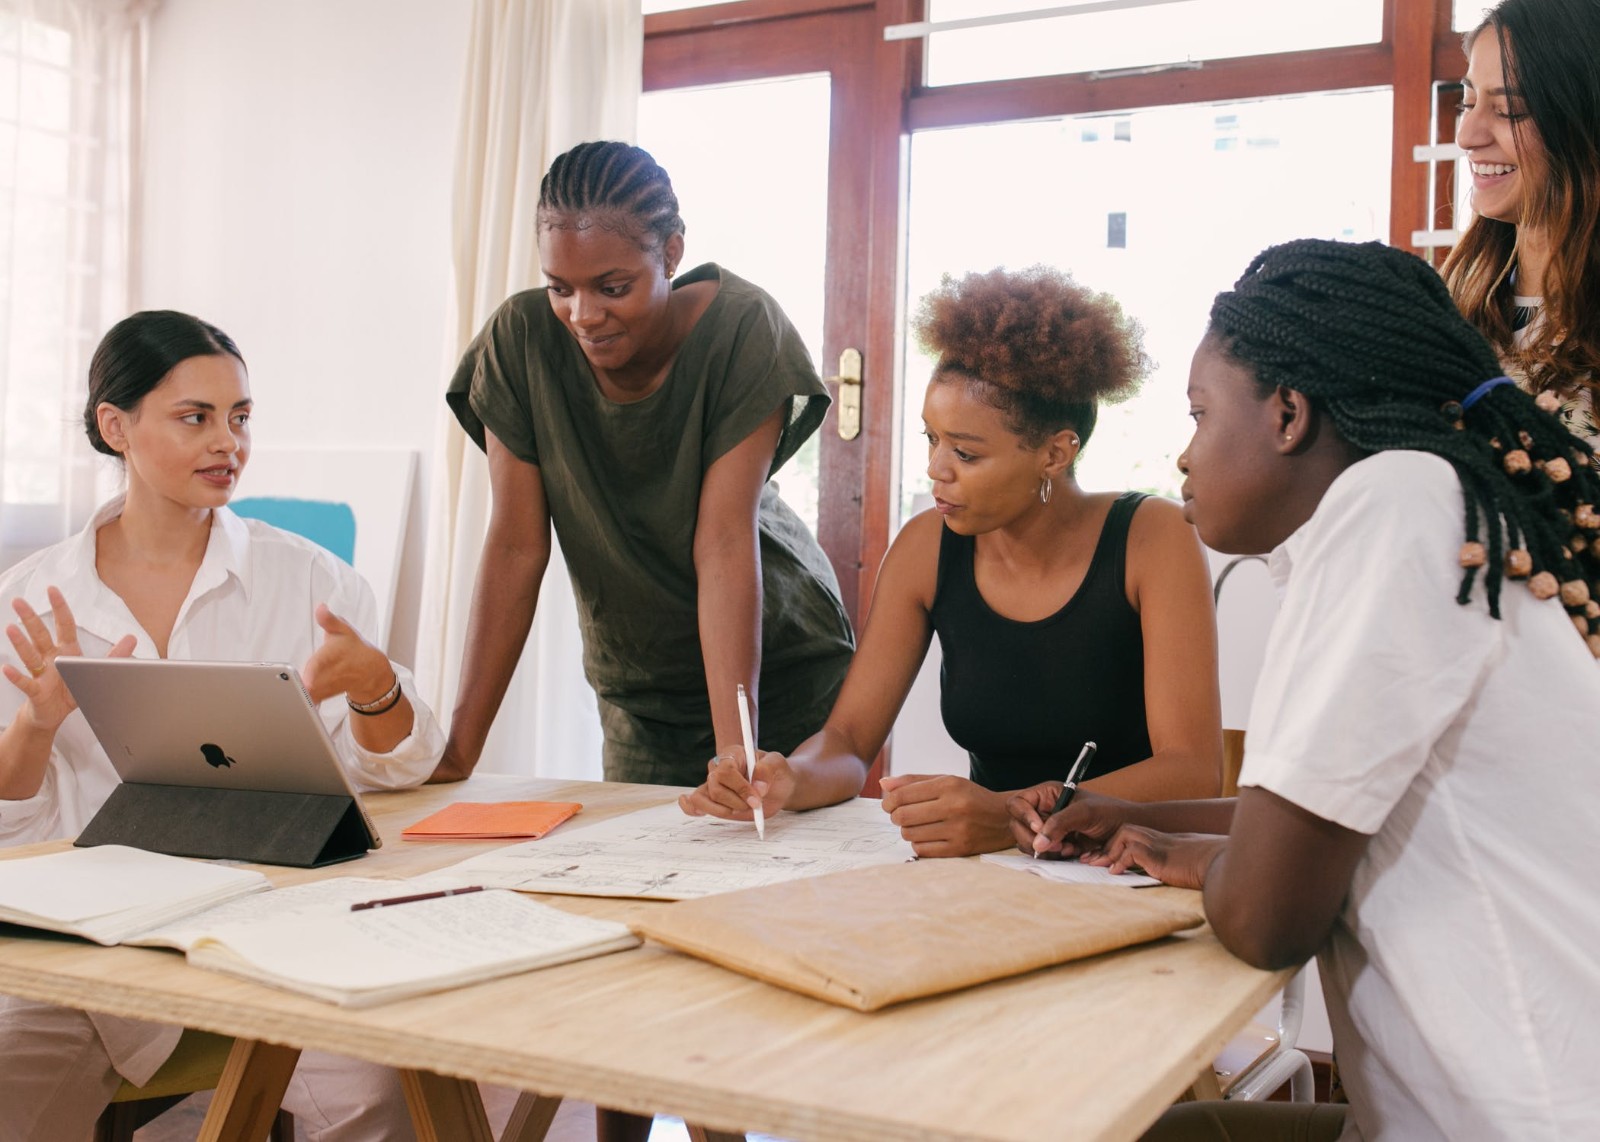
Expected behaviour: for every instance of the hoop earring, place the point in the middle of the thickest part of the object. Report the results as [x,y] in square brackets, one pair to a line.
[1045,487]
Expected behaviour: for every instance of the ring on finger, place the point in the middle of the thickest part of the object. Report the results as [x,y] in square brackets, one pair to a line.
[36,671]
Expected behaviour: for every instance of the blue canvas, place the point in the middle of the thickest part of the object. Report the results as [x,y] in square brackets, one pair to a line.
[329,525]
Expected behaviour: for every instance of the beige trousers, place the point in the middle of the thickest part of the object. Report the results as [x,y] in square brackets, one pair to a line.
[59,1068]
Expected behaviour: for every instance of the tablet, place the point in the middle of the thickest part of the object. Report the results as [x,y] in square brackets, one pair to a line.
[209,725]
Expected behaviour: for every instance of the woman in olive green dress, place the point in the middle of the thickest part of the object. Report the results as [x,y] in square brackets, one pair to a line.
[643,416]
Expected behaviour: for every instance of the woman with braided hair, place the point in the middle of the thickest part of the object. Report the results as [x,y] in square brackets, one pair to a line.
[1064,615]
[1526,271]
[642,412]
[1418,784]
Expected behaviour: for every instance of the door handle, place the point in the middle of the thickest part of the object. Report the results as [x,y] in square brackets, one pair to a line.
[849,382]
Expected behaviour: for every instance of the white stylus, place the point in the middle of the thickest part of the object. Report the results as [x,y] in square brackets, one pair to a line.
[750,759]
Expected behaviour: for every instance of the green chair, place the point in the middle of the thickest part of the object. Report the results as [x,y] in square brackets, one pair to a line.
[195,1065]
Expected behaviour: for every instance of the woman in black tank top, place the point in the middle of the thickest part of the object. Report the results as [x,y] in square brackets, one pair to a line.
[1064,616]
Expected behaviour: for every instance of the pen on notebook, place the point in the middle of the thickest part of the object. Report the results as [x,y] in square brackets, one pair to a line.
[1074,774]
[750,759]
[387,901]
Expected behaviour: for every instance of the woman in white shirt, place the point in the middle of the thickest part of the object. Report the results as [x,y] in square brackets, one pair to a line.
[166,570]
[1526,271]
[1419,781]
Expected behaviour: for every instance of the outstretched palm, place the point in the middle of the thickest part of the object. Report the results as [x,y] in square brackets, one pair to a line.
[37,648]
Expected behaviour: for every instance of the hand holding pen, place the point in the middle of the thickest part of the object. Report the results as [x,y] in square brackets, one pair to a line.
[750,762]
[730,794]
[1068,789]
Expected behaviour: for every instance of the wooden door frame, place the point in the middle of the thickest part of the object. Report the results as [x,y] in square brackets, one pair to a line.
[757,39]
[883,82]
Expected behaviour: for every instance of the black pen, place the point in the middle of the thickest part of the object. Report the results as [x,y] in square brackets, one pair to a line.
[1085,756]
[393,900]
[1073,775]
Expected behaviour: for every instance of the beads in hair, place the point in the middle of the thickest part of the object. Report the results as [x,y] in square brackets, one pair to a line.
[1371,336]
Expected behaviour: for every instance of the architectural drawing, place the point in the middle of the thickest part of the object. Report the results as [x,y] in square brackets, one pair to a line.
[662,854]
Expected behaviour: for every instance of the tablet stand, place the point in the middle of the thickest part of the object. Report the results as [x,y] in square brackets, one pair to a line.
[305,830]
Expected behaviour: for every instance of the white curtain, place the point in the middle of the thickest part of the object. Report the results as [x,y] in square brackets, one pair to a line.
[542,76]
[70,91]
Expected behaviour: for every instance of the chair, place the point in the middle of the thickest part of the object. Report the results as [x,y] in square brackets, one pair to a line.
[195,1064]
[1279,1063]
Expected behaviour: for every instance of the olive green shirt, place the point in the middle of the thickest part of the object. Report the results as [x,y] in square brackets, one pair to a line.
[623,482]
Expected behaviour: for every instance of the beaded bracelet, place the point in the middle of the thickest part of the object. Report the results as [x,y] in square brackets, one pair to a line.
[390,699]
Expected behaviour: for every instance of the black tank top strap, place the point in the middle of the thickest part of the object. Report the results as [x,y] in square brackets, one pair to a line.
[956,574]
[1114,536]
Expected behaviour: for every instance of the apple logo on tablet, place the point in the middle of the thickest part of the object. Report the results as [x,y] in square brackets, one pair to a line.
[214,756]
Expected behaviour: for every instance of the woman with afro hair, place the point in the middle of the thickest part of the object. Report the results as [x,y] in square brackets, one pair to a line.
[1065,616]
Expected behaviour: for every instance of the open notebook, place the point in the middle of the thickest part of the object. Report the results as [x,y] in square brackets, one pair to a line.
[111,893]
[305,938]
[360,958]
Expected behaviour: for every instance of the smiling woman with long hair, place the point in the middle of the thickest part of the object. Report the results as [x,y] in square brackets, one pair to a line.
[1526,271]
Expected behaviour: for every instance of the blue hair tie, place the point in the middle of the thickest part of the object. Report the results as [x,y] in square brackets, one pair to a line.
[1478,393]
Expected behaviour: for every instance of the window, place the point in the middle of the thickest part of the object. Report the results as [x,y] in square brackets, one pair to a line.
[749,163]
[1469,14]
[1165,32]
[63,273]
[35,113]
[1018,193]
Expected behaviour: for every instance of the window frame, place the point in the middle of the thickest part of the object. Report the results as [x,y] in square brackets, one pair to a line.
[1418,57]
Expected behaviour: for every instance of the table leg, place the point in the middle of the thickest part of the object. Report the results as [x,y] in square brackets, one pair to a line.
[531,1118]
[248,1094]
[445,1109]
[704,1134]
[1206,1088]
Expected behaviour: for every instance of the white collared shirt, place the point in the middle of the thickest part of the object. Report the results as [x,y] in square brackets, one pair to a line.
[252,599]
[1462,976]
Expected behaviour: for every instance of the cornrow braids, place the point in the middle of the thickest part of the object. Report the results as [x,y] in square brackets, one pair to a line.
[615,179]
[1370,335]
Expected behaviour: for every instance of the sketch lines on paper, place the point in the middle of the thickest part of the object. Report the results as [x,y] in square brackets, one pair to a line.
[661,854]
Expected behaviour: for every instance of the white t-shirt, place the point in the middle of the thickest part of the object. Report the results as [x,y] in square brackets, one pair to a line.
[252,600]
[1463,974]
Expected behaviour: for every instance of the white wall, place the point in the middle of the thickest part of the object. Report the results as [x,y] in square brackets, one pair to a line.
[298,178]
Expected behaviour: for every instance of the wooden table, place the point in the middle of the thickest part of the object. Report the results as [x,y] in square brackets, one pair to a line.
[1089,1050]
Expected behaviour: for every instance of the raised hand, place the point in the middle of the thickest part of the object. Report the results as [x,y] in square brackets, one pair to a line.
[345,663]
[49,702]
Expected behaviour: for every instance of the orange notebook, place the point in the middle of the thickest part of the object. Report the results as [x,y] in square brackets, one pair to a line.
[473,820]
